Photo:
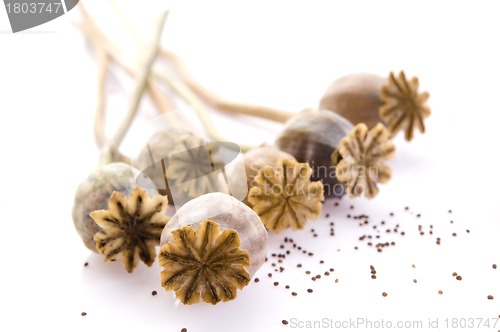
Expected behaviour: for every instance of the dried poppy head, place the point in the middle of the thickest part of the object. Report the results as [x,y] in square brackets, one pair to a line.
[311,137]
[363,154]
[356,97]
[211,247]
[94,192]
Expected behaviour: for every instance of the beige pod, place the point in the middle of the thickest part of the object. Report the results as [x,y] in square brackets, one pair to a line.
[259,157]
[210,248]
[312,136]
[160,146]
[356,97]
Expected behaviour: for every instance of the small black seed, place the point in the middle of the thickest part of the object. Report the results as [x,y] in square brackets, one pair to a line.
[83,314]
[284,322]
[154,293]
[309,290]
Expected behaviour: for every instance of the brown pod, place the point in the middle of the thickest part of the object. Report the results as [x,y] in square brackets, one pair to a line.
[94,193]
[210,248]
[312,137]
[259,157]
[357,97]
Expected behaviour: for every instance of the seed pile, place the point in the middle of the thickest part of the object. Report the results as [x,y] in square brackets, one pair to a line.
[380,234]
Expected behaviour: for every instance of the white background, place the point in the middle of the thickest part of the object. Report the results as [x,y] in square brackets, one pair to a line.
[282,54]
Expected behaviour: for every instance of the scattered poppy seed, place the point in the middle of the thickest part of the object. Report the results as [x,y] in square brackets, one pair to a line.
[454,274]
[414,281]
[294,294]
[86,264]
[490,297]
[83,314]
[276,283]
[332,269]
[154,293]
[440,292]
[454,234]
[494,266]
[287,287]
[309,290]
[327,215]
[299,265]
[284,322]
[418,215]
[374,276]
[459,278]
[308,272]
[321,262]
[256,280]
[269,275]
[384,294]
[184,329]
[336,281]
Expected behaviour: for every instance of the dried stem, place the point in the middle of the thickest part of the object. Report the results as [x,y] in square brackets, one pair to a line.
[177,86]
[116,140]
[108,50]
[99,132]
[218,102]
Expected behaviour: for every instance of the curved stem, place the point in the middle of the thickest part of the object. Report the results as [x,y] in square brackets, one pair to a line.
[219,103]
[107,50]
[176,85]
[197,106]
[116,140]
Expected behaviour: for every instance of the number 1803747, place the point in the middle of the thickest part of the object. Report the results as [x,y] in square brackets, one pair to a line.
[33,7]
